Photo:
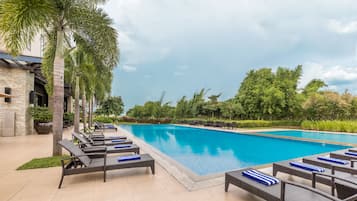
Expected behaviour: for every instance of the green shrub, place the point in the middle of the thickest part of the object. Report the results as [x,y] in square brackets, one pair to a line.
[41,114]
[241,123]
[253,123]
[68,116]
[338,126]
[103,119]
[294,123]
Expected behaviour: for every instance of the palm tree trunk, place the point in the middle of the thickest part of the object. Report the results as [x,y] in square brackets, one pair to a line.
[89,112]
[84,111]
[58,95]
[76,106]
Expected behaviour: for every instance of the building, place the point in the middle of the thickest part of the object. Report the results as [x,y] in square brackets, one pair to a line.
[22,82]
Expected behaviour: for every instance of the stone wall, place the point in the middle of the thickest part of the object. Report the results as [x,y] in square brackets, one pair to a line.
[21,83]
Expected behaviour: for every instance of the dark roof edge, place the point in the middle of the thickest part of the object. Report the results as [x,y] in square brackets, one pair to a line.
[29,59]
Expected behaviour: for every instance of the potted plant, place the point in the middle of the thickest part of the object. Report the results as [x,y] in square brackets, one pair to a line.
[68,119]
[42,119]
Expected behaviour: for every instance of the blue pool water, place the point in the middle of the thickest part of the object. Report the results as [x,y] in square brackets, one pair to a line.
[344,138]
[206,151]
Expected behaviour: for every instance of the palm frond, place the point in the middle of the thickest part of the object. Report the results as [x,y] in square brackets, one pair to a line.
[48,59]
[20,21]
[93,27]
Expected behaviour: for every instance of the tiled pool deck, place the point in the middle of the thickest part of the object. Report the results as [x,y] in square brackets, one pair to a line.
[121,185]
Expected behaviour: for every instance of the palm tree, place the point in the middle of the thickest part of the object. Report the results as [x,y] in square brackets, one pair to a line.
[61,21]
[80,72]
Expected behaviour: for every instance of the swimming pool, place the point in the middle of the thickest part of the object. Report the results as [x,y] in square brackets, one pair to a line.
[207,152]
[324,136]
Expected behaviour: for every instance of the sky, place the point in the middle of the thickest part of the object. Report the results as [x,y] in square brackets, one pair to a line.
[181,46]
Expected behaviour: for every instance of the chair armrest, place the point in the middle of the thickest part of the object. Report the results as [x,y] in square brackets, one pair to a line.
[323,194]
[95,149]
[84,143]
[350,170]
[333,177]
[91,154]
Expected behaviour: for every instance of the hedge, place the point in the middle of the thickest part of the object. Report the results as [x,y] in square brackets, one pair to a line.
[338,126]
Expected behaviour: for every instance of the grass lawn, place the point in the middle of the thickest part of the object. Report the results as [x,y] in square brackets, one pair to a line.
[42,163]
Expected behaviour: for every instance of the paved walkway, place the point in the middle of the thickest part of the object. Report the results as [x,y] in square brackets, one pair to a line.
[121,185]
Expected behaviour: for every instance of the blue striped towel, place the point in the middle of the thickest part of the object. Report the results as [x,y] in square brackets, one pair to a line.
[119,140]
[308,167]
[129,158]
[122,146]
[260,177]
[109,126]
[333,160]
[351,153]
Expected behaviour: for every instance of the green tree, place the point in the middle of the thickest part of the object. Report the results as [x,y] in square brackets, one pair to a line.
[231,109]
[21,20]
[81,73]
[197,102]
[111,106]
[182,108]
[267,95]
[286,81]
[212,107]
[251,92]
[137,112]
[313,87]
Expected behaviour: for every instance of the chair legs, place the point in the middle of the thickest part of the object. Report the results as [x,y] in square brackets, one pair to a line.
[60,184]
[152,168]
[226,185]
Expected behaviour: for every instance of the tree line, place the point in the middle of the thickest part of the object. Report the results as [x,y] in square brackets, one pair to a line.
[263,95]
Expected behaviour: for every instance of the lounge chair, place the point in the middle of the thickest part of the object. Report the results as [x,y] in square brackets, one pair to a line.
[284,190]
[346,173]
[103,127]
[102,137]
[88,147]
[84,140]
[352,156]
[326,162]
[81,162]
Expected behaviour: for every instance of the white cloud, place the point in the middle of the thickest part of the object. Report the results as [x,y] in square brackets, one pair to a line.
[336,76]
[128,68]
[340,73]
[342,28]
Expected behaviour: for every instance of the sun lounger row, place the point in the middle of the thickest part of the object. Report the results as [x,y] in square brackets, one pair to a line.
[91,155]
[336,171]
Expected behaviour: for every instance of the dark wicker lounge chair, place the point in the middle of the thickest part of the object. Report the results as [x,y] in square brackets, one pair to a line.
[89,148]
[341,155]
[353,149]
[102,137]
[282,191]
[98,126]
[83,140]
[81,162]
[344,173]
[315,161]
